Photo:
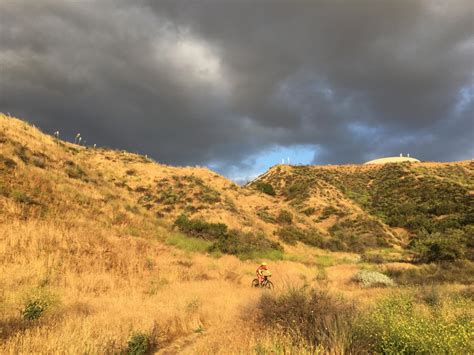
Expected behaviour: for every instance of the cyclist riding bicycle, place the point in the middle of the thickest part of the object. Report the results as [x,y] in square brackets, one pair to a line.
[263,272]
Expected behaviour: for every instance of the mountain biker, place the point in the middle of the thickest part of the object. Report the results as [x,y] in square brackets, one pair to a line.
[262,272]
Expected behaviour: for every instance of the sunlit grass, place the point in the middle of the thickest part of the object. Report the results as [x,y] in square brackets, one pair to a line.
[188,244]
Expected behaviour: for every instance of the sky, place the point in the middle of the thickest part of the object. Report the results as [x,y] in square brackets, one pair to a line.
[239,86]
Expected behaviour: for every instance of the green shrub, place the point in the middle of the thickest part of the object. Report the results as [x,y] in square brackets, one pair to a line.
[357,234]
[437,247]
[39,162]
[138,344]
[227,242]
[34,309]
[209,195]
[169,197]
[265,216]
[265,188]
[7,162]
[284,217]
[36,303]
[21,197]
[292,234]
[199,228]
[328,211]
[309,211]
[372,279]
[22,152]
[75,171]
[397,326]
[244,244]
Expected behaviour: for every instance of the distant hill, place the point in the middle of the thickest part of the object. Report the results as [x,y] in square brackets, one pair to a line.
[413,201]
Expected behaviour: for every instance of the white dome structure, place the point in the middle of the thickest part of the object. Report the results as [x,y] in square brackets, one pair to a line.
[400,159]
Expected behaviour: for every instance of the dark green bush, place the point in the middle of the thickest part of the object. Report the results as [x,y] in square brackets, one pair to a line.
[228,242]
[437,247]
[22,152]
[284,217]
[200,229]
[309,211]
[244,244]
[34,309]
[138,344]
[7,162]
[39,162]
[265,216]
[37,303]
[265,188]
[292,234]
[209,195]
[21,197]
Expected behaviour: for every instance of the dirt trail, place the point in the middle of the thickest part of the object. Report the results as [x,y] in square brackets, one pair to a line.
[182,345]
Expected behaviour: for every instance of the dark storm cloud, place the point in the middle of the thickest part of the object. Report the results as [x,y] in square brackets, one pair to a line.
[216,82]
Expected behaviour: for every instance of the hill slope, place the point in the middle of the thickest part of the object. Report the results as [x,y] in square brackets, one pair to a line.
[417,200]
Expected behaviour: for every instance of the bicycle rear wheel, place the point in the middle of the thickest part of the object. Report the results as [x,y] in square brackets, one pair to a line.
[255,283]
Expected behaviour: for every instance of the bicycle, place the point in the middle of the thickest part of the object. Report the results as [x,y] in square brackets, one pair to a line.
[266,283]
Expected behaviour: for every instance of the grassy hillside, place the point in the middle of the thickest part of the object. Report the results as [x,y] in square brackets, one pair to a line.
[424,202]
[105,251]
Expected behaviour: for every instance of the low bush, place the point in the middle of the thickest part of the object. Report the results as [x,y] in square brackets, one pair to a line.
[292,234]
[459,272]
[228,242]
[200,229]
[209,195]
[314,316]
[138,344]
[23,198]
[75,171]
[284,217]
[22,152]
[39,162]
[329,211]
[373,258]
[244,244]
[36,303]
[437,247]
[368,278]
[265,187]
[265,215]
[358,234]
[309,211]
[7,162]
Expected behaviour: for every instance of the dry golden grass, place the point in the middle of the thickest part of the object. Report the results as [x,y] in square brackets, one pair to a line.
[102,257]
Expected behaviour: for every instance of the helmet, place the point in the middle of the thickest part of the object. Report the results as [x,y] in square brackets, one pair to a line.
[264,264]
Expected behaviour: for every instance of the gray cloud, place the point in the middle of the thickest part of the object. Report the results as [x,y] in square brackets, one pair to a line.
[216,82]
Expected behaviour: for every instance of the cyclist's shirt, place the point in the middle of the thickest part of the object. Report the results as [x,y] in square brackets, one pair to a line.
[262,270]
